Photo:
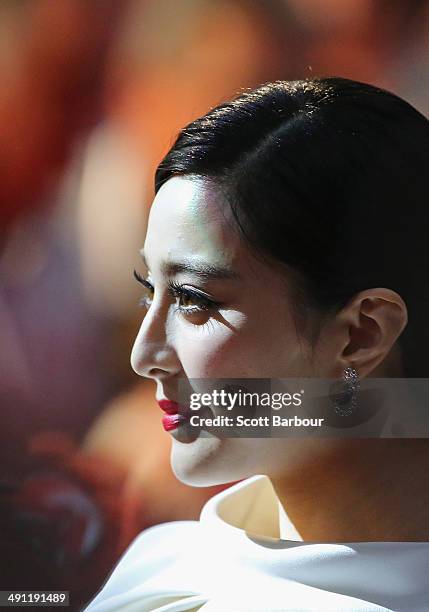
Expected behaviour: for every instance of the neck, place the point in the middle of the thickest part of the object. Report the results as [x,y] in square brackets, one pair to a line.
[359,490]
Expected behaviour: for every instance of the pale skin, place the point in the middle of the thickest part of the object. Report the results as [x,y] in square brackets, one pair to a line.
[333,490]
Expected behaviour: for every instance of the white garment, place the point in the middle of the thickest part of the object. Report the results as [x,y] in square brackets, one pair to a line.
[233,560]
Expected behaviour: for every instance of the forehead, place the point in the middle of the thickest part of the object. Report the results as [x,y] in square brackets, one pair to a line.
[188,217]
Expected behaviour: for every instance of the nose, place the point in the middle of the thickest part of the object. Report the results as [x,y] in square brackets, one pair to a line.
[153,356]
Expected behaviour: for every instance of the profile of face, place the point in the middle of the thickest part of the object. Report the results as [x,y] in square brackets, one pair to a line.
[217,311]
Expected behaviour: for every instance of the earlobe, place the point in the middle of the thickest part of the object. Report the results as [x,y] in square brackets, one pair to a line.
[374,319]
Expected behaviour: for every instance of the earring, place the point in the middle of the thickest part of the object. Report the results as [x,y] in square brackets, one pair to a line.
[345,403]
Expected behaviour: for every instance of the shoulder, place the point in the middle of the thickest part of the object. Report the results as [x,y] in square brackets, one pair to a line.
[151,552]
[163,538]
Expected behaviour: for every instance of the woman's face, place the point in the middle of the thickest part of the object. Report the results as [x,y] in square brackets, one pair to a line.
[243,329]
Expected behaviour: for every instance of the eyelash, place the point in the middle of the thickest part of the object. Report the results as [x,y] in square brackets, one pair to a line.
[204,304]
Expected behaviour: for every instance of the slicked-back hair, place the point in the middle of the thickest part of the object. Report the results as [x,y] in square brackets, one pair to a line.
[328,179]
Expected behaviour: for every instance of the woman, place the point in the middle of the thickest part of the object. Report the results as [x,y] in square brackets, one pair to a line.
[287,239]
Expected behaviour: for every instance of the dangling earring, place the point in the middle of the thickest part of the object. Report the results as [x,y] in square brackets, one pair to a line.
[345,403]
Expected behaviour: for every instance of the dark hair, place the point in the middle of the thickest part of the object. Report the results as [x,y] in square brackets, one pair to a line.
[327,177]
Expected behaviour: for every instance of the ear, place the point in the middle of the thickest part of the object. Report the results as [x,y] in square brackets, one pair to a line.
[366,329]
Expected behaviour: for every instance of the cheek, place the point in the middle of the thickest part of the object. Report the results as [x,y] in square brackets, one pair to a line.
[212,351]
[238,347]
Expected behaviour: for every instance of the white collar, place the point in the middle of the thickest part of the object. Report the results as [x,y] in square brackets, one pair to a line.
[251,506]
[249,520]
[234,559]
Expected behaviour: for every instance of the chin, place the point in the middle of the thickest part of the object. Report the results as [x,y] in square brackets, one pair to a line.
[207,462]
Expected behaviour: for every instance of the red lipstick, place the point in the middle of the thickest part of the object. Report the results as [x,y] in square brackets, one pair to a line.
[169,406]
[172,421]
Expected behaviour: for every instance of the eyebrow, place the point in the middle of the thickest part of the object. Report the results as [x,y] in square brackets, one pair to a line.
[203,270]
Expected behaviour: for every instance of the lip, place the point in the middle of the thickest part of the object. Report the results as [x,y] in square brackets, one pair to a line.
[172,418]
[169,406]
[172,421]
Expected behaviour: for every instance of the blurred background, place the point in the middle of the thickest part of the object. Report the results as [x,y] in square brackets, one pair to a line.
[92,95]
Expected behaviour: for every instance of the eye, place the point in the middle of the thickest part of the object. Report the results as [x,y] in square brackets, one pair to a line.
[190,301]
[147,299]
